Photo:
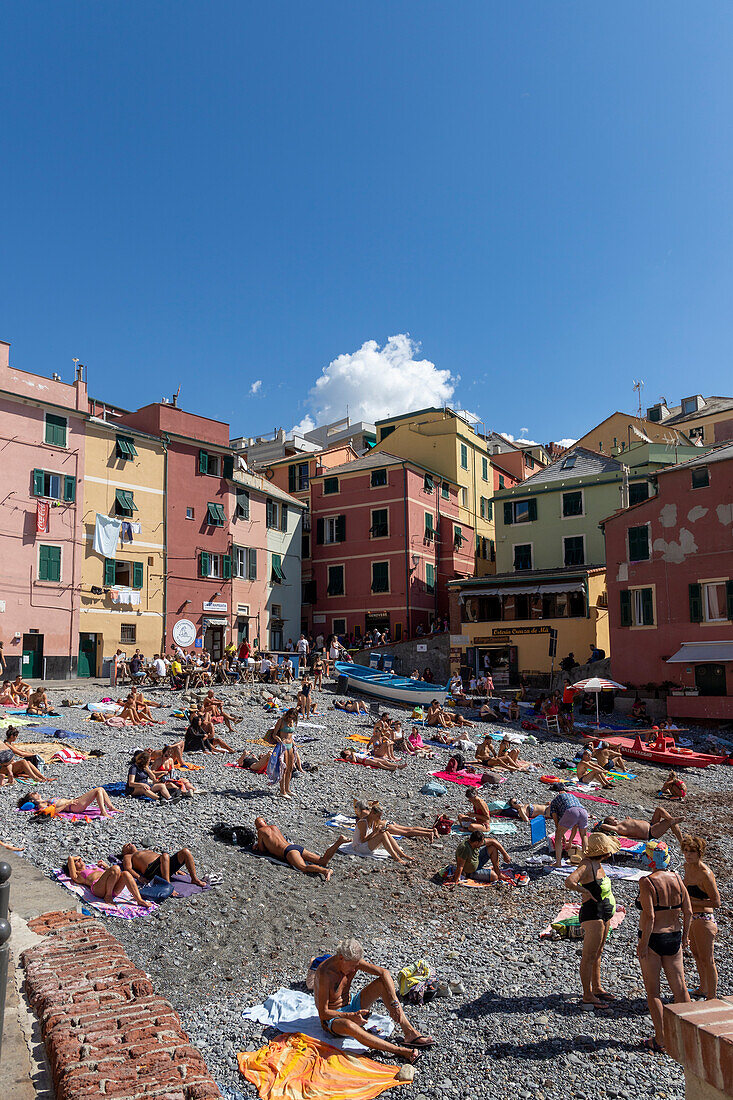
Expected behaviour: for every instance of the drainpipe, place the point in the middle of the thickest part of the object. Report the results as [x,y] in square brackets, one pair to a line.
[438,536]
[165,441]
[407,554]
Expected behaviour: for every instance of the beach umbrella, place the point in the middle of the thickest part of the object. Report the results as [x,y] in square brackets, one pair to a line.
[597,684]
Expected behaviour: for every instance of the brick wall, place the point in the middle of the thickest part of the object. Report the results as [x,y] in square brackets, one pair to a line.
[106,1032]
[699,1035]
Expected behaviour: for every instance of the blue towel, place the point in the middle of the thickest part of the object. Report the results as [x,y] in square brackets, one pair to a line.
[52,731]
[115,788]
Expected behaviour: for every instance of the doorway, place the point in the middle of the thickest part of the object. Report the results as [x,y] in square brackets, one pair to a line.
[86,665]
[32,662]
[710,679]
[214,642]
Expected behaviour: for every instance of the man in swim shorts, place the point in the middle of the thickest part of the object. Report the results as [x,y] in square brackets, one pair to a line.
[272,842]
[145,864]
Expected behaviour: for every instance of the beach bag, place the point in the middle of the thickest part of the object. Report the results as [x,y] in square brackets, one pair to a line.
[434,789]
[240,836]
[456,763]
[310,978]
[274,763]
[490,779]
[416,983]
[569,928]
[157,889]
[443,824]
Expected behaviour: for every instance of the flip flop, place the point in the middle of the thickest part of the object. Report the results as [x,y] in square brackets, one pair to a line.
[420,1044]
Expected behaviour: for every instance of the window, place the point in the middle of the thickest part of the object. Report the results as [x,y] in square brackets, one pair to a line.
[127,574]
[55,430]
[485,468]
[428,485]
[464,497]
[128,633]
[241,508]
[489,609]
[331,529]
[124,503]
[429,529]
[339,626]
[528,461]
[637,606]
[689,405]
[335,580]
[384,432]
[429,577]
[305,546]
[574,550]
[54,486]
[638,491]
[458,538]
[464,456]
[271,513]
[485,548]
[380,523]
[445,491]
[639,543]
[572,503]
[215,515]
[380,576]
[523,556]
[276,575]
[49,563]
[277,611]
[487,509]
[502,484]
[379,478]
[125,447]
[700,477]
[520,511]
[244,562]
[308,592]
[654,414]
[216,465]
[569,462]
[716,601]
[189,513]
[330,485]
[298,478]
[215,565]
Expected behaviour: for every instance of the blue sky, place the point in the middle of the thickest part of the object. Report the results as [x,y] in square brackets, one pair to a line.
[215,194]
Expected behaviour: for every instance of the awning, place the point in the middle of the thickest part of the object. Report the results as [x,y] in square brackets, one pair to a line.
[214,622]
[693,653]
[525,590]
[123,497]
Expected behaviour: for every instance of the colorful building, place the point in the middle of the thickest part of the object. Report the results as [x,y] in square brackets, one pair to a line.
[620,431]
[122,597]
[43,446]
[444,441]
[504,625]
[704,419]
[388,536]
[670,588]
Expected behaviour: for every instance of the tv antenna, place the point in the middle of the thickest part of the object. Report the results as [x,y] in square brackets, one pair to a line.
[639,386]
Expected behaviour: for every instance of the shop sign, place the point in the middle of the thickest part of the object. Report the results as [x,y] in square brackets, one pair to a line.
[214,606]
[501,631]
[184,633]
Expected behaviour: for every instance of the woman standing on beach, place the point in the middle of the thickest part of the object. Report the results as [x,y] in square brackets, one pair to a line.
[596,912]
[704,899]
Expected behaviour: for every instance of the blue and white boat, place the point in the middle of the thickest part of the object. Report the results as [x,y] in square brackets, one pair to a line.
[386,685]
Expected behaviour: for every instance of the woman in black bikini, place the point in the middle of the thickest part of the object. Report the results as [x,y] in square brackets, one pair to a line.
[305,705]
[596,913]
[705,899]
[662,899]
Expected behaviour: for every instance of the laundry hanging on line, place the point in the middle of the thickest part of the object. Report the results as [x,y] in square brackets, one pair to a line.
[106,533]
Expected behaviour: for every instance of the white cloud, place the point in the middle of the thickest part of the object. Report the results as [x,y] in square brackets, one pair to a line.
[375,382]
[565,442]
[256,387]
[307,424]
[520,439]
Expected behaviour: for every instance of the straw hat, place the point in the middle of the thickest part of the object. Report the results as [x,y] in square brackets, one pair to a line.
[599,845]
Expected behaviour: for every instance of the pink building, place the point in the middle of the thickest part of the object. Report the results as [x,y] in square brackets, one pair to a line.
[385,539]
[670,588]
[40,520]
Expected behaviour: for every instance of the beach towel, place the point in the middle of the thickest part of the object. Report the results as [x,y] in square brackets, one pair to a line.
[572,909]
[181,881]
[66,735]
[341,821]
[626,874]
[351,850]
[49,751]
[359,737]
[298,1067]
[125,909]
[497,828]
[479,882]
[92,813]
[66,755]
[459,777]
[291,1011]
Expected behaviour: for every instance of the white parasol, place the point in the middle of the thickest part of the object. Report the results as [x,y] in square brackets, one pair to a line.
[597,684]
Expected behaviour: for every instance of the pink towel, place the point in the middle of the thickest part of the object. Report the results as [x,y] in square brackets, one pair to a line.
[572,909]
[459,777]
[594,798]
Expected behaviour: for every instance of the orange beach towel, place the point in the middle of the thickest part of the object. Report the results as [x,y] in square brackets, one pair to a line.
[297,1067]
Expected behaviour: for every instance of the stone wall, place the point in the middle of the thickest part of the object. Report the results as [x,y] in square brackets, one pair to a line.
[407,658]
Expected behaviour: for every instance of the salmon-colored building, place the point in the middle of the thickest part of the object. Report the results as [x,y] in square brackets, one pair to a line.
[385,538]
[42,434]
[670,588]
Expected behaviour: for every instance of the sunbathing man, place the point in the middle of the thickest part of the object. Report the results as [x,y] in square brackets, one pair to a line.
[103,881]
[470,858]
[129,712]
[608,757]
[215,707]
[344,1014]
[660,822]
[145,864]
[436,716]
[480,816]
[216,744]
[373,762]
[380,746]
[272,841]
[351,706]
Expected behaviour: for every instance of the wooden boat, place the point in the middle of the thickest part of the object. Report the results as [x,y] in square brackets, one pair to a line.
[386,685]
[662,751]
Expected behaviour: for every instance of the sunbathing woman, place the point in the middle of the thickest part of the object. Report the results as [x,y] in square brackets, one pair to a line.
[351,706]
[173,752]
[673,786]
[372,832]
[414,744]
[106,883]
[129,712]
[256,764]
[437,717]
[412,832]
[51,807]
[164,773]
[480,816]
[380,746]
[371,761]
[15,764]
[8,698]
[142,707]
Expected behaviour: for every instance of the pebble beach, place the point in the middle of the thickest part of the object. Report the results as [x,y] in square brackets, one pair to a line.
[514,1023]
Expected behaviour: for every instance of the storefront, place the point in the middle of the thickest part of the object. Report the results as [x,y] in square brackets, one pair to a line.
[495,657]
[215,631]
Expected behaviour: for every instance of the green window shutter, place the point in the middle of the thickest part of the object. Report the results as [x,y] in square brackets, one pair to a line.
[485,469]
[203,462]
[430,578]
[52,563]
[429,530]
[226,566]
[138,574]
[43,563]
[70,489]
[729,598]
[251,564]
[221,515]
[491,511]
[695,596]
[204,563]
[292,472]
[638,543]
[38,483]
[445,490]
[227,467]
[380,576]
[283,517]
[340,528]
[109,572]
[508,514]
[56,430]
[269,513]
[647,607]
[625,597]
[532,509]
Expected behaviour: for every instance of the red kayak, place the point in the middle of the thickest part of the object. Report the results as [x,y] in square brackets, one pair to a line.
[661,751]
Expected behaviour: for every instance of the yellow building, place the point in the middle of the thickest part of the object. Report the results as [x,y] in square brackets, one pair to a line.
[619,431]
[442,440]
[503,624]
[122,595]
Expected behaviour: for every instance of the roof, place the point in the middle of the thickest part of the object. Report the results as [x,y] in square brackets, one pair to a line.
[587,464]
[406,416]
[306,456]
[246,479]
[377,460]
[712,406]
[531,576]
[720,454]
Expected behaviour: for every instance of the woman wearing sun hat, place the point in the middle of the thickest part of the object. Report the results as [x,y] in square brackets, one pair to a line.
[666,914]
[596,911]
